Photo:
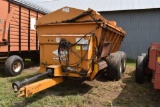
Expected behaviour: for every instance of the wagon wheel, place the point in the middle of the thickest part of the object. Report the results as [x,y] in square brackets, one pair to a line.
[14,65]
[139,73]
[149,73]
[114,69]
[145,60]
[123,60]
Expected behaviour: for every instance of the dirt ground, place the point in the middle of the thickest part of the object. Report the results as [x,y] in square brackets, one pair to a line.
[97,93]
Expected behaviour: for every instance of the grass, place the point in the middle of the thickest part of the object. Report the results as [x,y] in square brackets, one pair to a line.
[96,93]
[131,62]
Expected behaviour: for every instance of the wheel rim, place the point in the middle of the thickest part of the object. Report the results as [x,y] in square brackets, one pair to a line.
[17,66]
[120,70]
[124,65]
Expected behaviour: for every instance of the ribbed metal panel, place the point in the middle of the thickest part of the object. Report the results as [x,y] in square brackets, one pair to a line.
[100,5]
[31,5]
[142,27]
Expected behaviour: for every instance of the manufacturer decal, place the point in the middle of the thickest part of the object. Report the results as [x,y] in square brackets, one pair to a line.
[63,53]
[81,41]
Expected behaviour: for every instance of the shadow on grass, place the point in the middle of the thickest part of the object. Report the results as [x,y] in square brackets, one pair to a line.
[137,95]
[130,94]
[67,87]
[28,64]
[2,72]
[23,77]
[101,77]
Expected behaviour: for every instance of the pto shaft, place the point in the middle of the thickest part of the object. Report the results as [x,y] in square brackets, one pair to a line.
[17,85]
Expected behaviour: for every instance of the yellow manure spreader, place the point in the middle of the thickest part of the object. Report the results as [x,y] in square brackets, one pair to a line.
[78,44]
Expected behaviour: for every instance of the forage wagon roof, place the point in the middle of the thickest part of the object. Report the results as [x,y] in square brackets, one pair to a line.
[31,5]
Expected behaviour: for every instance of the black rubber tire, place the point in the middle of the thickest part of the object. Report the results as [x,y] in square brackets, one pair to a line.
[145,60]
[123,60]
[139,73]
[148,75]
[11,62]
[114,69]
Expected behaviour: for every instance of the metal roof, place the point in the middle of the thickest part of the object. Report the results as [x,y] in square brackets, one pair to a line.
[100,5]
[31,5]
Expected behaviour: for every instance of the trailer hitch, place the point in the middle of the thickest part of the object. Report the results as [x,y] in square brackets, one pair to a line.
[17,85]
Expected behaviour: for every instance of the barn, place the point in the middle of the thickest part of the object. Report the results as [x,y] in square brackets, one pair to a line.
[139,18]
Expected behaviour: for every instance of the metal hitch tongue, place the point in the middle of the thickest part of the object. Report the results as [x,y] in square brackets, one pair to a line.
[17,85]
